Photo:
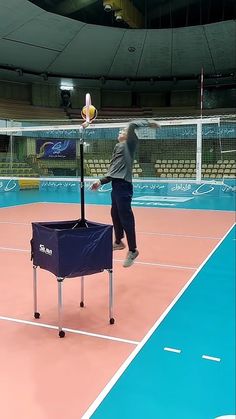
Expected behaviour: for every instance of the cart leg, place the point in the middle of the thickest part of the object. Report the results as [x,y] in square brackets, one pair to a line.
[36,313]
[59,283]
[111,296]
[82,291]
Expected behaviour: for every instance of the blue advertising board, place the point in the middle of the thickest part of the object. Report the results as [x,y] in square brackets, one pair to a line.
[9,185]
[63,149]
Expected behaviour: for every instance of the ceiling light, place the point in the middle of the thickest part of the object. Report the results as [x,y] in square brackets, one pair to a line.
[119,17]
[44,76]
[65,86]
[107,7]
[19,71]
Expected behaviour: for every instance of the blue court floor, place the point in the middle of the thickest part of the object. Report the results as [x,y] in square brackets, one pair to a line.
[186,369]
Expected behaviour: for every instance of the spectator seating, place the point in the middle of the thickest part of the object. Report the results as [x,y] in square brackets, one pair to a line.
[223,168]
[115,113]
[16,169]
[23,110]
[167,168]
[124,113]
[97,167]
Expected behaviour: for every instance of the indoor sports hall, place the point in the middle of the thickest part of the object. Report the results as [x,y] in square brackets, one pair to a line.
[82,334]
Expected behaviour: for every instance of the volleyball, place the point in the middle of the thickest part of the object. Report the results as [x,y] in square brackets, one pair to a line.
[89,112]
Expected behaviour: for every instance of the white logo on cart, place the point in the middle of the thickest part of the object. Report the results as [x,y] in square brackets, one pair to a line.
[45,250]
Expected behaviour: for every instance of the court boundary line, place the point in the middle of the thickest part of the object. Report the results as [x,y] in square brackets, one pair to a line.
[96,403]
[188,236]
[211,358]
[148,233]
[136,206]
[161,265]
[66,329]
[20,205]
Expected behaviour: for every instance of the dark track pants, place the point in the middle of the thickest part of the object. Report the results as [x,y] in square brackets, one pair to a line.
[121,211]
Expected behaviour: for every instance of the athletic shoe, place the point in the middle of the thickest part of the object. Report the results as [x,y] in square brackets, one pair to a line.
[130,258]
[119,246]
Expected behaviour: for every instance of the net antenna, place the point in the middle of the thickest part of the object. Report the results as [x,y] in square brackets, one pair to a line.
[201,92]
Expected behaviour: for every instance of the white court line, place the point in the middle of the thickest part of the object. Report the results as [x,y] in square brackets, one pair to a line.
[15,223]
[149,233]
[211,358]
[79,332]
[13,249]
[161,265]
[138,348]
[20,205]
[154,233]
[108,205]
[177,351]
[148,208]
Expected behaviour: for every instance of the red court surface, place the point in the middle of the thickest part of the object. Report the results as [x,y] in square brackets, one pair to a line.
[44,377]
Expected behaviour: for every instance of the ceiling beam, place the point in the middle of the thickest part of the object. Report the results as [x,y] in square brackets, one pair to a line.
[67,7]
[165,6]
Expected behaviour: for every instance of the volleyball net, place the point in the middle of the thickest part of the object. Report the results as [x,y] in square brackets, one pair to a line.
[193,150]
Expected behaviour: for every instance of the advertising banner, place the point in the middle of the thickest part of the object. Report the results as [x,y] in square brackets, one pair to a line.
[62,149]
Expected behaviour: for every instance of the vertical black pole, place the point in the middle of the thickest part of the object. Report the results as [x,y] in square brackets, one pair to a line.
[82,221]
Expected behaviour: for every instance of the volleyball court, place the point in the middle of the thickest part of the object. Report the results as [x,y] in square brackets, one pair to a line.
[50,377]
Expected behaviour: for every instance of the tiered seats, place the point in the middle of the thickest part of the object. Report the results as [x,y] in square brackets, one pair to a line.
[98,167]
[56,164]
[125,112]
[17,169]
[23,110]
[175,111]
[223,168]
[151,112]
[193,111]
[168,168]
[119,113]
[187,169]
[137,170]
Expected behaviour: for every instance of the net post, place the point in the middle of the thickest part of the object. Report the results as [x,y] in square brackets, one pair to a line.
[82,220]
[199,152]
[11,146]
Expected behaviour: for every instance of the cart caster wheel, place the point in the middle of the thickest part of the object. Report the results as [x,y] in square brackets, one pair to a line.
[81,304]
[36,315]
[112,321]
[61,334]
